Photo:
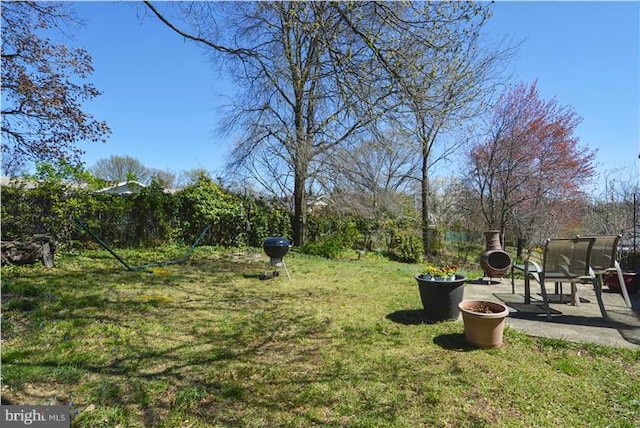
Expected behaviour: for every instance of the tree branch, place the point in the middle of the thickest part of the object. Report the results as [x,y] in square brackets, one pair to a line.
[219,48]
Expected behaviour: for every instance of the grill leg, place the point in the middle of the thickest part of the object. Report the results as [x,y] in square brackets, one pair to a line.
[286,270]
[275,264]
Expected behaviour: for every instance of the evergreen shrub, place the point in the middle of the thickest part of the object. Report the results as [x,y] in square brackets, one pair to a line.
[406,247]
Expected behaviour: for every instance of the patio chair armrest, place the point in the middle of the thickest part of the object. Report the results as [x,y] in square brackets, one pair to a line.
[518,267]
[534,273]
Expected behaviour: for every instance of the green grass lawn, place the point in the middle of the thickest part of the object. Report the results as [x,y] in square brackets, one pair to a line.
[341,344]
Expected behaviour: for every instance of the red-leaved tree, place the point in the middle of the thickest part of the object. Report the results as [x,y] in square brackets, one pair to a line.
[528,172]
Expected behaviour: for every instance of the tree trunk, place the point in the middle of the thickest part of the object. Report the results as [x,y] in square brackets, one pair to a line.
[299,210]
[426,238]
[520,248]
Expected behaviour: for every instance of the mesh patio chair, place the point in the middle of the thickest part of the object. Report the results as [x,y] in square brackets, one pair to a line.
[566,260]
[604,260]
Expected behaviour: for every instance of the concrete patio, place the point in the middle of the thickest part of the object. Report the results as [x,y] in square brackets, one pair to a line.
[582,323]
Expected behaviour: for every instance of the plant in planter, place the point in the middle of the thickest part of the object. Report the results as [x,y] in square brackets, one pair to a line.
[441,291]
[442,273]
[483,322]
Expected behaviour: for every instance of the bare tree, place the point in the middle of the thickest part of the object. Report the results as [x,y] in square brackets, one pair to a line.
[314,75]
[368,178]
[42,100]
[186,178]
[612,210]
[166,179]
[304,77]
[121,168]
[448,78]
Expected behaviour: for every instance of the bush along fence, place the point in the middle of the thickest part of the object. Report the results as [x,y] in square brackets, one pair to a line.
[153,217]
[149,218]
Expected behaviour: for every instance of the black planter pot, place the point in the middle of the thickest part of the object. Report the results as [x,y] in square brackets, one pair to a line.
[440,299]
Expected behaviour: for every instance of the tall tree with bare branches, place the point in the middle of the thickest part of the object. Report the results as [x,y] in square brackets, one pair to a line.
[371,178]
[316,75]
[447,79]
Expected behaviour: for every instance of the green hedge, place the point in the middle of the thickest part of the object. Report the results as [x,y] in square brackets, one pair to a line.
[149,218]
[153,217]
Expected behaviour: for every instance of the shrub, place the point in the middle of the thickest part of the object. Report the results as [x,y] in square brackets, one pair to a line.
[329,236]
[406,247]
[329,247]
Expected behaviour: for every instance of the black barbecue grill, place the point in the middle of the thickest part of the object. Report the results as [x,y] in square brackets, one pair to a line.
[276,247]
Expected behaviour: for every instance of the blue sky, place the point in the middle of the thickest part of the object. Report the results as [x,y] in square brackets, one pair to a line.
[161,94]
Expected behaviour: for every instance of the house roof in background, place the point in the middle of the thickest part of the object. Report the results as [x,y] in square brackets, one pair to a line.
[123,188]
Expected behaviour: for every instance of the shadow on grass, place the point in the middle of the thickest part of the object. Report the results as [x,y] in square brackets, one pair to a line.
[409,317]
[454,342]
[192,374]
[450,341]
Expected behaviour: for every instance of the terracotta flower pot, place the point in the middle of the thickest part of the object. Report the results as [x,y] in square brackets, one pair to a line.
[440,298]
[483,329]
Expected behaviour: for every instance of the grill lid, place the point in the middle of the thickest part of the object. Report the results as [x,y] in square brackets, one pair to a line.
[276,246]
[276,241]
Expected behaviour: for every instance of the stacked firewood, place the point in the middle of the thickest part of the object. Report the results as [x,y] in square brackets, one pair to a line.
[37,248]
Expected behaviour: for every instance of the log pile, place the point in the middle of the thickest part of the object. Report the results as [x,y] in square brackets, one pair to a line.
[38,248]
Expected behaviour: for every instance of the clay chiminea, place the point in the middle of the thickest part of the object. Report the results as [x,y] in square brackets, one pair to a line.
[494,262]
